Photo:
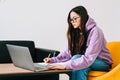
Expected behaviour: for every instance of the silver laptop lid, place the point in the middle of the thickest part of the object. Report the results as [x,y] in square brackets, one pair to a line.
[20,56]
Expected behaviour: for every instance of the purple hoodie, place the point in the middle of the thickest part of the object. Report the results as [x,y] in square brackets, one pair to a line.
[96,48]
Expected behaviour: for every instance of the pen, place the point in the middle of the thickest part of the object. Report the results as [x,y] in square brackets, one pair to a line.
[49,55]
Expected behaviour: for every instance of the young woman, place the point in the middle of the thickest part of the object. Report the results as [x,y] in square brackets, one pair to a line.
[86,47]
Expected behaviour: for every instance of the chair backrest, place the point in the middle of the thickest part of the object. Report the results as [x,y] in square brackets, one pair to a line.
[114,48]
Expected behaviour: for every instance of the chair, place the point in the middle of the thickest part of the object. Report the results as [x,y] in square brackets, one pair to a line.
[114,73]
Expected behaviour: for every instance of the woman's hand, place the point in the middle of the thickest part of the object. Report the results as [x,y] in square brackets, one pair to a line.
[56,66]
[47,60]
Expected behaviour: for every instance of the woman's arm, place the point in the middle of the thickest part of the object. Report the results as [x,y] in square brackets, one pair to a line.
[63,56]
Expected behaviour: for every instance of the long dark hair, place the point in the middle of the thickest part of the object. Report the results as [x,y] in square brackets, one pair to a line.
[77,37]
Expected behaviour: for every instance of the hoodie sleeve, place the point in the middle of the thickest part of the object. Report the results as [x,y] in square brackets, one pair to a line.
[94,47]
[62,57]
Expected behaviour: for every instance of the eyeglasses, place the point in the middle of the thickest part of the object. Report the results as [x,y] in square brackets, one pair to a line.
[74,19]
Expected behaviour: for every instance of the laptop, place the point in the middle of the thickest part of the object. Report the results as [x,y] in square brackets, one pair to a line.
[21,57]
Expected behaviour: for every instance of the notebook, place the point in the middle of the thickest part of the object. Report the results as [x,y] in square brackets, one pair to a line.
[21,57]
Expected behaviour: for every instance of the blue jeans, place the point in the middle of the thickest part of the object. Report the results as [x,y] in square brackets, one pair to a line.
[83,73]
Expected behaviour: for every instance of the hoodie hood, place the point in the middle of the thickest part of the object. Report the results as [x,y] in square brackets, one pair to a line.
[90,23]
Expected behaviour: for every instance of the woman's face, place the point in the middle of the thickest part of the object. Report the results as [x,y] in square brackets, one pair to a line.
[75,19]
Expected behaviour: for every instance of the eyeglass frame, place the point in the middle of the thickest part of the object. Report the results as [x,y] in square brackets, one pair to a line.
[73,20]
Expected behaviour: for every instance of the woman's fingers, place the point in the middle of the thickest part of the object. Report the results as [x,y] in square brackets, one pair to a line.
[46,60]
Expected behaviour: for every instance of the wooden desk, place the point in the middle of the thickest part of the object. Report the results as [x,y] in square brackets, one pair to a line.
[6,69]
